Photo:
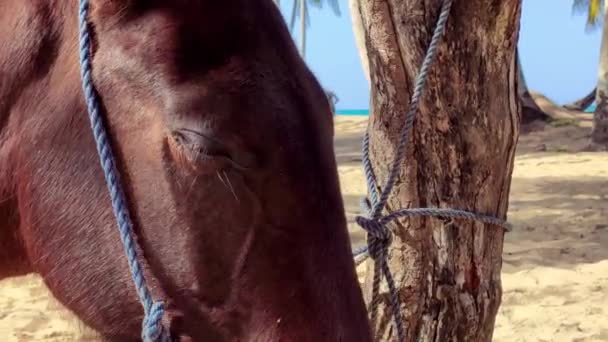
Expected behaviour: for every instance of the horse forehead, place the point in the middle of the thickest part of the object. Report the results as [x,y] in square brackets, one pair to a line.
[167,30]
[203,13]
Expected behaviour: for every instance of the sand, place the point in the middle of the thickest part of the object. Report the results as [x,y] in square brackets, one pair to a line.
[555,271]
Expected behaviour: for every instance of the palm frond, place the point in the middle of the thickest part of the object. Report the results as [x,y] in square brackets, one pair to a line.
[295,14]
[334,4]
[593,9]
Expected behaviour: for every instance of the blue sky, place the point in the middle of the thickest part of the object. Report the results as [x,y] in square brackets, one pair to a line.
[559,57]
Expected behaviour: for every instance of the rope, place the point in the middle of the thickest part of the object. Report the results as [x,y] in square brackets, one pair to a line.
[152,329]
[379,236]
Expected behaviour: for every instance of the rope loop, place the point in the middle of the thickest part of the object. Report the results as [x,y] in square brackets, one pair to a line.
[375,229]
[152,328]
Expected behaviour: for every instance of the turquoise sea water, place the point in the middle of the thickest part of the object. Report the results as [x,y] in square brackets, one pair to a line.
[359,112]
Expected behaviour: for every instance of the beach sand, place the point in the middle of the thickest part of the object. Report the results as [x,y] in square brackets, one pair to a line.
[555,271]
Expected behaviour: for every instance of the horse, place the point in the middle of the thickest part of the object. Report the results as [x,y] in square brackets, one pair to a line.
[224,141]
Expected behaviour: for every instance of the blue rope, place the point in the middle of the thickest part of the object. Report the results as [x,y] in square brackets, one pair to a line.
[379,235]
[152,328]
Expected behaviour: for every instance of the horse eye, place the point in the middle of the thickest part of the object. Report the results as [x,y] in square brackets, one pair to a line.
[200,144]
[203,152]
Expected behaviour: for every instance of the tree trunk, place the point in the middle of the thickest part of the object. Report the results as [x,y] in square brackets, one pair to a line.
[584,103]
[530,110]
[359,33]
[303,28]
[522,85]
[460,156]
[292,21]
[599,133]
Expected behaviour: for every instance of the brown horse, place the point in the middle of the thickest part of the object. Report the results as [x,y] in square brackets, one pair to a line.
[224,141]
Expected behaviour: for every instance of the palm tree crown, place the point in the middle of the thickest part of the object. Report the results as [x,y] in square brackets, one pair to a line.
[302,5]
[295,14]
[593,9]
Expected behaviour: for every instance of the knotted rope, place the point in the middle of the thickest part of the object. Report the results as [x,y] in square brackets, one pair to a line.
[379,235]
[152,329]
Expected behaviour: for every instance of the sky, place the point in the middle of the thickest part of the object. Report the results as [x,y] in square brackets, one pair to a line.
[559,56]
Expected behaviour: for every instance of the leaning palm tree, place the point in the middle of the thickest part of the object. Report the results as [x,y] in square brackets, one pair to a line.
[583,103]
[597,14]
[300,9]
[592,8]
[530,110]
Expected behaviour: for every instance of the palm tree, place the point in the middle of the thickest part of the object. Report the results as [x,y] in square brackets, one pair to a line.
[530,110]
[597,13]
[593,9]
[433,302]
[359,33]
[583,103]
[300,9]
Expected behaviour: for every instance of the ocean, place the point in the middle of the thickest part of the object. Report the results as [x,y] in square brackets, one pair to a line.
[358,112]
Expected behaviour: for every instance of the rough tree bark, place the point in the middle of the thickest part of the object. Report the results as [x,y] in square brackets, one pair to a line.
[530,110]
[460,156]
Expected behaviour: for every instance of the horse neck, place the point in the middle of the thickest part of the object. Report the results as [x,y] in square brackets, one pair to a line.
[33,37]
[31,40]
